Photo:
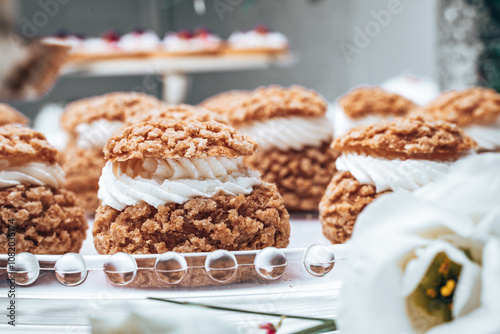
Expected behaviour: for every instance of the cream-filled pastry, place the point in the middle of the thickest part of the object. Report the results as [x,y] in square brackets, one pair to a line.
[293,133]
[476,110]
[186,42]
[259,39]
[398,156]
[34,205]
[181,186]
[139,41]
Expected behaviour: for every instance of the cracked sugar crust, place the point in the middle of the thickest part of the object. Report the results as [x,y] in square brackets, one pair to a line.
[267,102]
[20,144]
[47,221]
[182,112]
[242,222]
[374,101]
[301,176]
[171,139]
[407,138]
[341,205]
[83,168]
[9,115]
[221,103]
[116,106]
[466,107]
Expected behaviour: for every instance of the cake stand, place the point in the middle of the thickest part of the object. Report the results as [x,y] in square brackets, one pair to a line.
[175,71]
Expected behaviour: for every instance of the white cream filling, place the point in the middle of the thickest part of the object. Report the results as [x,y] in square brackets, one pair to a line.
[174,43]
[158,182]
[147,41]
[255,40]
[396,175]
[287,133]
[487,137]
[95,135]
[343,123]
[35,173]
[96,46]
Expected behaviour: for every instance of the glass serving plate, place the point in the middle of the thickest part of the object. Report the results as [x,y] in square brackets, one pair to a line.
[58,290]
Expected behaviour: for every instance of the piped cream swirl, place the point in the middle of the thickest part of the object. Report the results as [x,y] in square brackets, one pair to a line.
[96,134]
[158,182]
[255,40]
[287,133]
[34,173]
[396,175]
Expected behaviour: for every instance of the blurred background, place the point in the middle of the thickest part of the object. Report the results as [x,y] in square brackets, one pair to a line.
[336,44]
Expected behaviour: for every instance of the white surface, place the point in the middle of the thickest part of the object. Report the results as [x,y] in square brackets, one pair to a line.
[43,309]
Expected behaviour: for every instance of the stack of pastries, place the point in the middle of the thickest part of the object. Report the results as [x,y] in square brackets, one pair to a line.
[225,174]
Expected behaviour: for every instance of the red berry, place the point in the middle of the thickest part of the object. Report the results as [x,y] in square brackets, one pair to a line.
[201,32]
[111,36]
[184,34]
[261,29]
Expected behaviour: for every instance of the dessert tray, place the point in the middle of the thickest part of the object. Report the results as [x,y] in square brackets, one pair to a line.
[71,273]
[309,267]
[175,71]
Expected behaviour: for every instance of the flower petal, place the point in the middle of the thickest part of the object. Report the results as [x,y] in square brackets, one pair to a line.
[371,289]
[490,224]
[465,190]
[405,214]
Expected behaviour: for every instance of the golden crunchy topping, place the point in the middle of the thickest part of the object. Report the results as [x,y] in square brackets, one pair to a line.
[407,138]
[9,115]
[343,201]
[222,102]
[470,106]
[242,222]
[301,176]
[178,139]
[20,144]
[367,101]
[267,102]
[182,112]
[112,107]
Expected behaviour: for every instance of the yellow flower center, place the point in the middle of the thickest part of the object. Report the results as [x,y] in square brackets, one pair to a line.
[432,300]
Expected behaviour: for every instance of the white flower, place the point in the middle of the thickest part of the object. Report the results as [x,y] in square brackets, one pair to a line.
[429,262]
